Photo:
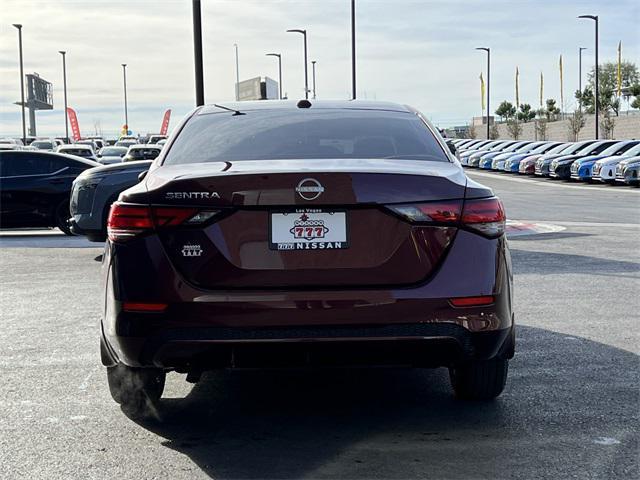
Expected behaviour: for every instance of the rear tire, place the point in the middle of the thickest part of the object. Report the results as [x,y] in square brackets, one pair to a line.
[62,217]
[479,380]
[136,389]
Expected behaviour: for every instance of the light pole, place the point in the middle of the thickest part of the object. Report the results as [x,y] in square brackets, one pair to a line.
[24,125]
[353,49]
[64,80]
[313,75]
[237,74]
[306,76]
[279,69]
[126,113]
[596,87]
[197,51]
[488,50]
[580,49]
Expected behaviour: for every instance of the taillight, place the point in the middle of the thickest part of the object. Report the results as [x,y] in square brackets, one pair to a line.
[432,212]
[485,216]
[472,301]
[127,220]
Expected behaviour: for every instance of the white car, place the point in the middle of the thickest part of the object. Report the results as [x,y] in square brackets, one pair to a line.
[79,150]
[604,169]
[10,144]
[46,144]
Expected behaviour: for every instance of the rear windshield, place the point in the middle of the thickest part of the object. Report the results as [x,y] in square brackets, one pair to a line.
[144,153]
[300,134]
[81,152]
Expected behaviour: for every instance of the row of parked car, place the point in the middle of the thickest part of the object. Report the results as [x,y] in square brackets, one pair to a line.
[39,185]
[607,161]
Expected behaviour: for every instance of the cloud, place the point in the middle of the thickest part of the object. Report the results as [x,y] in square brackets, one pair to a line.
[416,52]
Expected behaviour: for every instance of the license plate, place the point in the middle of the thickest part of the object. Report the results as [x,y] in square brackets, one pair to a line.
[308,229]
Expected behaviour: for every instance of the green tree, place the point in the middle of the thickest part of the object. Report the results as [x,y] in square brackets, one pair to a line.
[608,86]
[505,110]
[635,92]
[608,75]
[551,111]
[607,100]
[525,114]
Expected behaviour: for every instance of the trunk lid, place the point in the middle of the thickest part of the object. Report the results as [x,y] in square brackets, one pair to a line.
[262,202]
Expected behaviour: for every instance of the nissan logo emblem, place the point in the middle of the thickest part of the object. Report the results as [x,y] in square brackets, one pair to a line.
[309,188]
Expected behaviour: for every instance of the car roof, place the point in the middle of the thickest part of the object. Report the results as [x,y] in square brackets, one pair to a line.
[142,146]
[57,154]
[315,104]
[75,146]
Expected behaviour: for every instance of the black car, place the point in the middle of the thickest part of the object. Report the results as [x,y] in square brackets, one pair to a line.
[561,167]
[95,190]
[35,188]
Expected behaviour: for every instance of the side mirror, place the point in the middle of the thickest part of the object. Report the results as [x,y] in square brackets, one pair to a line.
[142,175]
[452,148]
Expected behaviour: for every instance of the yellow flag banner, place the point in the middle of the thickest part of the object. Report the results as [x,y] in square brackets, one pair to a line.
[517,88]
[541,89]
[619,68]
[482,91]
[561,87]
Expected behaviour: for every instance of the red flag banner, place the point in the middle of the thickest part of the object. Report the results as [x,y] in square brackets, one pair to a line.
[165,122]
[73,120]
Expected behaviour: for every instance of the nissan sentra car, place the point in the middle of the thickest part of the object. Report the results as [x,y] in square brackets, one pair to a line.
[310,233]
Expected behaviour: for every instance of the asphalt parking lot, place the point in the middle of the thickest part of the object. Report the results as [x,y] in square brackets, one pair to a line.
[570,409]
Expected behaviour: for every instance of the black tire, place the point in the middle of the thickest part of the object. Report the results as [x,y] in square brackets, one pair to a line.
[479,380]
[62,217]
[136,389]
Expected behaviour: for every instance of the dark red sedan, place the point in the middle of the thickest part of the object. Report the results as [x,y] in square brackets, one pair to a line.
[278,234]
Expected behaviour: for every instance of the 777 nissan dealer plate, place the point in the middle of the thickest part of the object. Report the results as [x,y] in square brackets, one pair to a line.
[308,229]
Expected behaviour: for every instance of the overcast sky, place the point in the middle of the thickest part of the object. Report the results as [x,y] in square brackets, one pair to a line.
[415,52]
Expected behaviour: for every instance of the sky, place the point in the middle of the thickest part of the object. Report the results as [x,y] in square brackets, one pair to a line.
[420,53]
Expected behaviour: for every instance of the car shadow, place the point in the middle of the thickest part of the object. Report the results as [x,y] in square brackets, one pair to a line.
[564,395]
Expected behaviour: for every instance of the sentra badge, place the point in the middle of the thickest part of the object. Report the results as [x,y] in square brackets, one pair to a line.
[309,188]
[189,195]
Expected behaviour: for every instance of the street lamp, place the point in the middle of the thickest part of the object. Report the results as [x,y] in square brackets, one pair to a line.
[237,74]
[313,75]
[126,114]
[596,93]
[197,52]
[279,69]
[306,76]
[64,79]
[353,49]
[488,50]
[580,49]
[24,125]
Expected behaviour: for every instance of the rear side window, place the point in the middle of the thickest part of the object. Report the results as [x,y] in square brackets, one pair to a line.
[302,134]
[22,164]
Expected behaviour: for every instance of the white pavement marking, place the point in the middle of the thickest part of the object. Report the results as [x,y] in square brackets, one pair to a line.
[519,228]
[606,441]
[552,183]
[585,224]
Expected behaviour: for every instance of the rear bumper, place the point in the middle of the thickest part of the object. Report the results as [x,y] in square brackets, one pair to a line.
[428,345]
[413,325]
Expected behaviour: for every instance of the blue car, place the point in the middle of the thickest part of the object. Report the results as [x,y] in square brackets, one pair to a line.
[512,164]
[487,159]
[582,169]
